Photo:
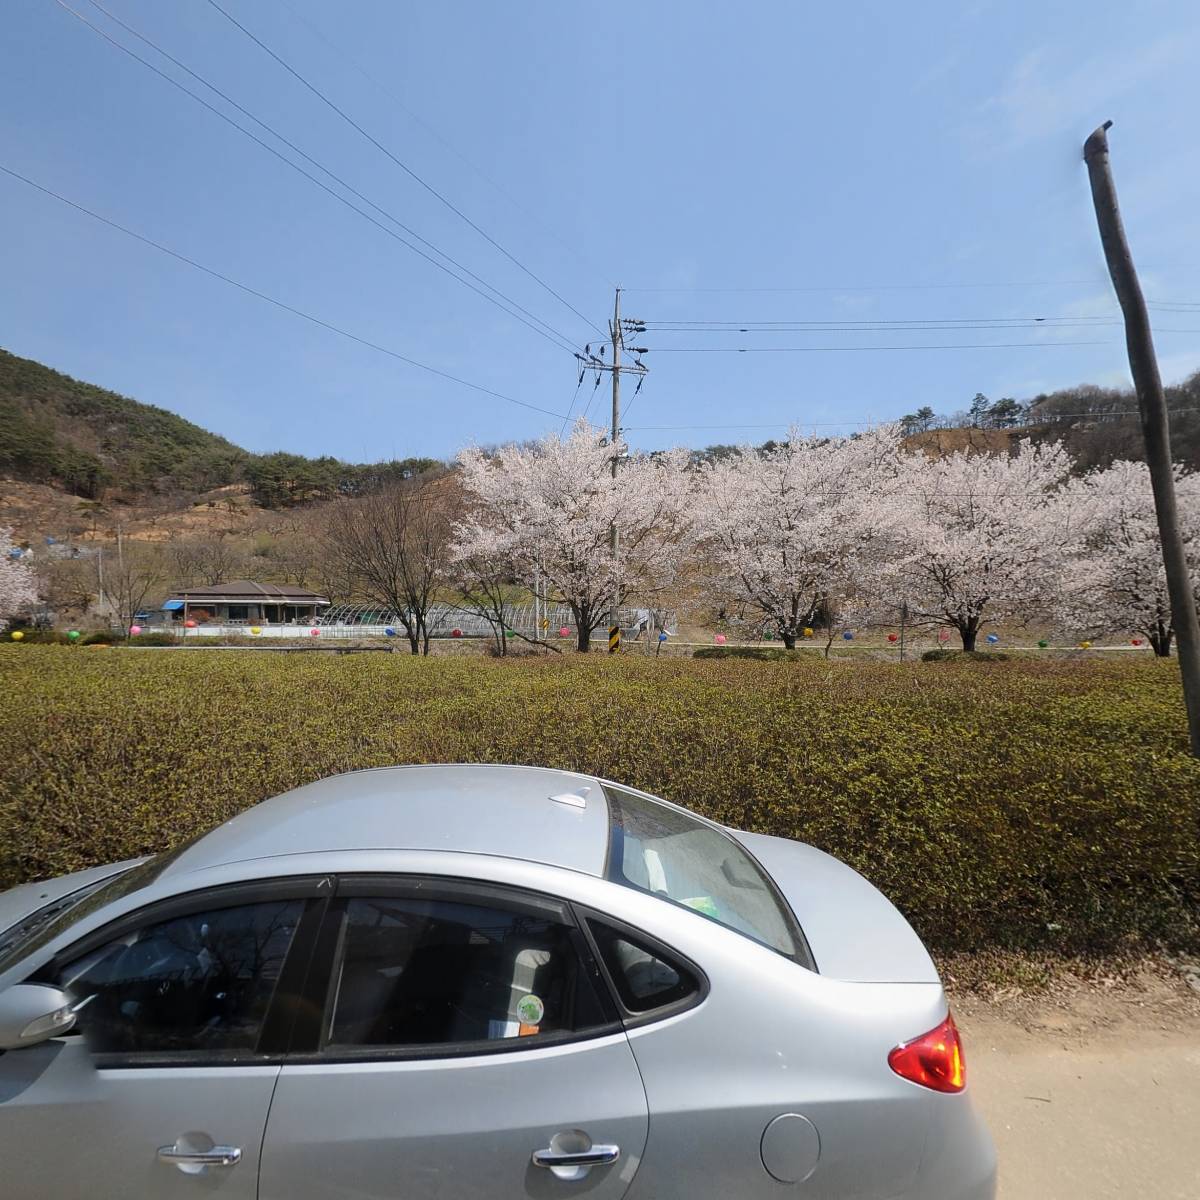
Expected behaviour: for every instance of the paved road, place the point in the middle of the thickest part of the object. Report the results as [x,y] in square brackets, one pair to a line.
[1110,1112]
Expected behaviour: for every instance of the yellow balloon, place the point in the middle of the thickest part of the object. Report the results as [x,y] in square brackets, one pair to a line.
[17,635]
[255,629]
[807,632]
[1085,645]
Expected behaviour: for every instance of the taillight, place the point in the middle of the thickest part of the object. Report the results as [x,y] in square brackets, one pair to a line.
[934,1060]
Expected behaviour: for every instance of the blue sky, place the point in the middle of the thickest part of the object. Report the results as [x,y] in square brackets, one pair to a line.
[872,154]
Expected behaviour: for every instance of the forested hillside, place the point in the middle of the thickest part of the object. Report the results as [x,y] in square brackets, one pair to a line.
[94,443]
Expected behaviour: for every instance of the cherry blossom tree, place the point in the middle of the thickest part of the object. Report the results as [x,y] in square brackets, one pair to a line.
[18,589]
[977,536]
[798,526]
[1113,577]
[549,506]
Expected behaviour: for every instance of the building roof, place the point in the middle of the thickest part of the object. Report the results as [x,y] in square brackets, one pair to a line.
[240,591]
[475,809]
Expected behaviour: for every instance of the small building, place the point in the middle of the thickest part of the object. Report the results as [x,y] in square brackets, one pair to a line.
[243,602]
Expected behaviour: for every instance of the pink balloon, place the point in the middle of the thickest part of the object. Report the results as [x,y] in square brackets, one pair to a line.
[189,624]
[564,632]
[943,635]
[314,633]
[135,629]
[719,639]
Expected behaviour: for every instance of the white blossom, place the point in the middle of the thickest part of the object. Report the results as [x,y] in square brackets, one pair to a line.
[1112,577]
[18,589]
[546,509]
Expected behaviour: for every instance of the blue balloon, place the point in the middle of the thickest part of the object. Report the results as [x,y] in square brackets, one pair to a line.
[662,636]
[993,638]
[389,632]
[848,636]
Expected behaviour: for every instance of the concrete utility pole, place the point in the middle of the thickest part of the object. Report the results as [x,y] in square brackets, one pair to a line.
[588,361]
[1152,405]
[614,616]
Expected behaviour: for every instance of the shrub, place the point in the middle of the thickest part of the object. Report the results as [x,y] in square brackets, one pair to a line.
[1041,804]
[941,654]
[157,637]
[101,637]
[761,653]
[41,637]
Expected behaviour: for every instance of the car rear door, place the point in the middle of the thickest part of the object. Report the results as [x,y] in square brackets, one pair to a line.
[162,1090]
[459,1042]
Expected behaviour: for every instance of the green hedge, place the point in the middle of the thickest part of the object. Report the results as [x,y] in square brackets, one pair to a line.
[943,655]
[759,653]
[1048,804]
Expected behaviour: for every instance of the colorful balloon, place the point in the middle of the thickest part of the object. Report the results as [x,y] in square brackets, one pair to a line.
[73,635]
[807,632]
[389,631]
[457,633]
[993,638]
[314,633]
[1042,644]
[848,636]
[564,632]
[893,637]
[254,629]
[17,635]
[720,639]
[1135,641]
[189,624]
[1085,645]
[135,629]
[943,635]
[662,635]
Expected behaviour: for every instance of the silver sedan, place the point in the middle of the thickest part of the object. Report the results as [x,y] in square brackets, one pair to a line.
[476,981]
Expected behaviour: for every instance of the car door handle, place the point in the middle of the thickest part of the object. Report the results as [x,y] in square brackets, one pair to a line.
[594,1156]
[218,1156]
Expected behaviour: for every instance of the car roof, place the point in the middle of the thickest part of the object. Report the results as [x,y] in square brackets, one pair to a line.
[472,808]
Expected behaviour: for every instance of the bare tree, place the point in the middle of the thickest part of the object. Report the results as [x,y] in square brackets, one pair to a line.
[209,562]
[131,575]
[392,547]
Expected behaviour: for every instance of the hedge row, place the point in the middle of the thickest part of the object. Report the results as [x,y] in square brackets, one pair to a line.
[1019,804]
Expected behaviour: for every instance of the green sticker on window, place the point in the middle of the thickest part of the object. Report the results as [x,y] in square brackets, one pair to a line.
[704,904]
[531,1010]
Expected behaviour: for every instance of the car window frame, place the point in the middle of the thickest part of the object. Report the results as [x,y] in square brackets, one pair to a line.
[306,1044]
[276,1030]
[802,954]
[631,1018]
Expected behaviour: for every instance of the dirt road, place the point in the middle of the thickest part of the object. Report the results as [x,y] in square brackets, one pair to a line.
[1091,1094]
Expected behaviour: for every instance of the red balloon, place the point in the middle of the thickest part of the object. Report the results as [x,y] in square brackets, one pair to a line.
[189,624]
[564,632]
[892,637]
[314,633]
[456,633]
[1135,641]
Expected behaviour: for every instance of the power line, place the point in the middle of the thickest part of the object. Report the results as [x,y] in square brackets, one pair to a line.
[191,262]
[403,166]
[559,339]
[438,137]
[1050,419]
[879,287]
[571,406]
[858,349]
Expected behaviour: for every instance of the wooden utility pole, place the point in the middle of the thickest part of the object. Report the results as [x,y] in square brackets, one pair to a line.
[1152,406]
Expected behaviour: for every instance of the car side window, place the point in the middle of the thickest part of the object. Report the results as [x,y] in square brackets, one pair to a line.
[190,985]
[424,972]
[646,978]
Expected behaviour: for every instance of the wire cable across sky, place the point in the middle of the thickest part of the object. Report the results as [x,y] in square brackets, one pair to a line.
[251,291]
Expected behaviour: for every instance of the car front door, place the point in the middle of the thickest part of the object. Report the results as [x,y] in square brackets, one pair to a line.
[161,1092]
[461,1044]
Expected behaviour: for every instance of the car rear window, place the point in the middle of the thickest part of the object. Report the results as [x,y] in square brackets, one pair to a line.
[668,853]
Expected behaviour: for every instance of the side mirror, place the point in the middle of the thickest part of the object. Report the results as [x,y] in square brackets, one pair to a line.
[31,1013]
